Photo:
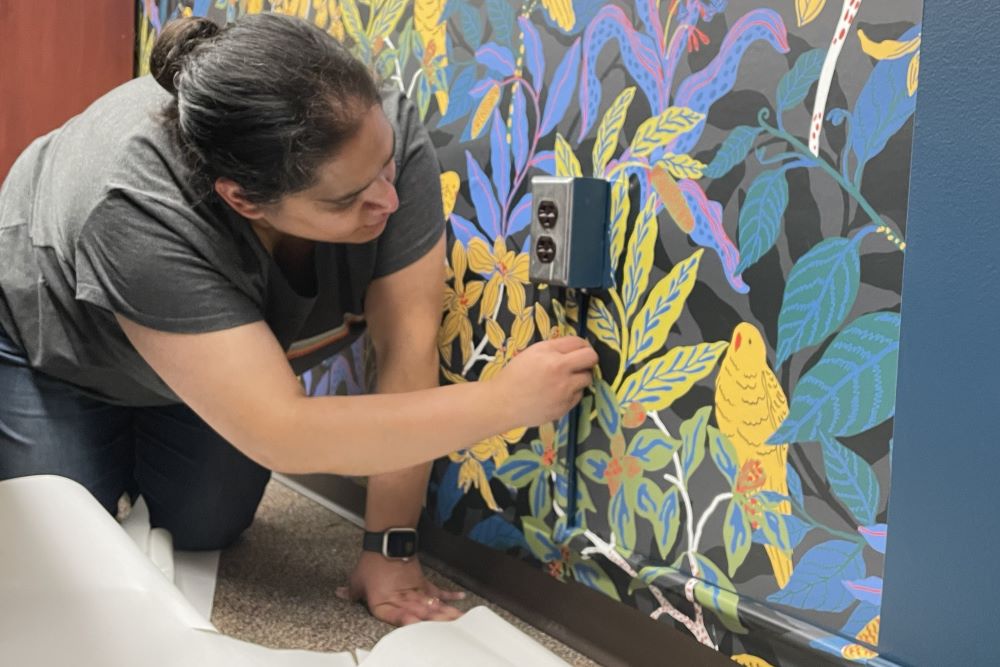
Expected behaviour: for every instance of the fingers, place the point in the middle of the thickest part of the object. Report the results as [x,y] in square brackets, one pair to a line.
[566,344]
[443,594]
[407,609]
[583,358]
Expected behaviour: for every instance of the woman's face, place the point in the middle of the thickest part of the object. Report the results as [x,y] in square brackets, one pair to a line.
[353,195]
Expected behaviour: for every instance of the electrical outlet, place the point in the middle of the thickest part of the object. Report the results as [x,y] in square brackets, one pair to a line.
[569,232]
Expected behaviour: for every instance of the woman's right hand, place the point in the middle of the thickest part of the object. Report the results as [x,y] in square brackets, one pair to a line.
[542,383]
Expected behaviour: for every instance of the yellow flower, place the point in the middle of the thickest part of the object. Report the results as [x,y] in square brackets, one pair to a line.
[546,329]
[458,301]
[472,473]
[504,267]
[507,348]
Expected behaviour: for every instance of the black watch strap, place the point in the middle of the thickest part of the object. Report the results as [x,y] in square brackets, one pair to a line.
[392,543]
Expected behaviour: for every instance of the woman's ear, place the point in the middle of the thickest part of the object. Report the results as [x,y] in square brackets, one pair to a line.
[232,194]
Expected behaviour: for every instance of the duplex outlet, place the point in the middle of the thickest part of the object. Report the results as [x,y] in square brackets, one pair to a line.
[569,232]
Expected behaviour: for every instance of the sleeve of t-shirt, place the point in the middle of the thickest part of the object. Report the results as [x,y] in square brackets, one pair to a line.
[147,261]
[418,223]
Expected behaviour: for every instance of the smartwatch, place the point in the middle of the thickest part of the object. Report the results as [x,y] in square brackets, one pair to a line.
[394,543]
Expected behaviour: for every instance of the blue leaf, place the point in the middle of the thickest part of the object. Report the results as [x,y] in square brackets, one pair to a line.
[465,231]
[497,59]
[520,216]
[470,24]
[460,102]
[495,532]
[875,536]
[860,617]
[501,16]
[534,54]
[853,386]
[485,203]
[760,217]
[500,157]
[819,293]
[867,590]
[733,151]
[883,106]
[519,130]
[541,502]
[816,581]
[794,484]
[200,7]
[561,89]
[545,161]
[526,246]
[838,116]
[516,468]
[449,493]
[795,84]
[852,479]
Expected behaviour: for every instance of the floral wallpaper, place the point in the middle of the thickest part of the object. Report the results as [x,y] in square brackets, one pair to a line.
[735,449]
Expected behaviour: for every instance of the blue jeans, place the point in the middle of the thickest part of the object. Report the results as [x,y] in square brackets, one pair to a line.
[197,485]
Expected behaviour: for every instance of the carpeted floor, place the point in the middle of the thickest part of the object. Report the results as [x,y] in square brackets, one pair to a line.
[276,586]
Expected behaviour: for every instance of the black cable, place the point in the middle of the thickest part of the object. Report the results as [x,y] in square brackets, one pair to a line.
[583,305]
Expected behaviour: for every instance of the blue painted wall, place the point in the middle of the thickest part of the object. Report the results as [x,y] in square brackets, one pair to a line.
[941,572]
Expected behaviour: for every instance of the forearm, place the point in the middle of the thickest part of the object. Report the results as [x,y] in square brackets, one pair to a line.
[369,435]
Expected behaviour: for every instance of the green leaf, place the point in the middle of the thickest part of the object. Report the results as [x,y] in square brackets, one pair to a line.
[682,166]
[566,162]
[723,455]
[608,409]
[389,13]
[665,304]
[583,499]
[775,530]
[352,22]
[820,292]
[519,469]
[717,592]
[648,499]
[693,432]
[736,535]
[405,46]
[795,84]
[733,151]
[540,497]
[851,388]
[592,463]
[583,425]
[664,128]
[652,448]
[589,573]
[602,324]
[639,258]
[648,575]
[662,381]
[621,517]
[610,128]
[760,216]
[540,539]
[668,521]
[621,204]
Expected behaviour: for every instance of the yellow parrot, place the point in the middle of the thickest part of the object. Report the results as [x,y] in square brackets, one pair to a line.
[749,407]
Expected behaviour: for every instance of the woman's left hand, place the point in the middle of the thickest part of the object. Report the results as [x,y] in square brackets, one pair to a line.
[397,592]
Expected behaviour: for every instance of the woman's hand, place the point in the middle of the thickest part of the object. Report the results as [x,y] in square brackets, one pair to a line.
[545,381]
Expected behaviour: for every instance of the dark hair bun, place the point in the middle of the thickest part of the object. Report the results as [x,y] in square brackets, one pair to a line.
[174,44]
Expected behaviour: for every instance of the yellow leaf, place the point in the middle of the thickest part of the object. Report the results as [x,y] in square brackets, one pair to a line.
[491,297]
[450,183]
[664,128]
[610,128]
[255,6]
[542,321]
[857,652]
[485,491]
[491,368]
[465,339]
[682,166]
[566,162]
[515,296]
[662,381]
[388,16]
[620,206]
[519,269]
[889,49]
[485,110]
[913,73]
[481,257]
[459,264]
[666,302]
[673,198]
[601,323]
[495,334]
[352,21]
[748,660]
[522,330]
[869,633]
[561,12]
[473,290]
[807,10]
[452,377]
[450,328]
[321,15]
[639,258]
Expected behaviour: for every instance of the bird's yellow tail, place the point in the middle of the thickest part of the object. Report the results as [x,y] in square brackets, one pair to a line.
[781,563]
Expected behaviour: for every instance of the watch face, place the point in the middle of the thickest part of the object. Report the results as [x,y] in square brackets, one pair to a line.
[401,544]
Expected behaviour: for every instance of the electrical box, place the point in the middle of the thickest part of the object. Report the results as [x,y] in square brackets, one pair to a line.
[569,232]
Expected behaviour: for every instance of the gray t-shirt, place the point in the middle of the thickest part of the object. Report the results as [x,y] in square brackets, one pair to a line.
[97,218]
